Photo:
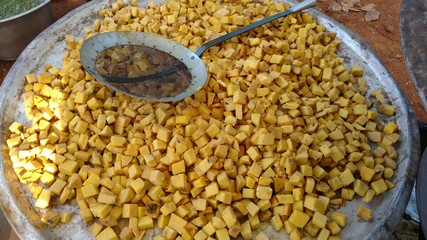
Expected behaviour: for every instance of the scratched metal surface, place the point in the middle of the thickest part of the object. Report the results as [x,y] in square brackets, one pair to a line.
[413,25]
[48,48]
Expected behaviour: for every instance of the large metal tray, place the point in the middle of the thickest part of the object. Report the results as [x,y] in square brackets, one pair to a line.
[48,48]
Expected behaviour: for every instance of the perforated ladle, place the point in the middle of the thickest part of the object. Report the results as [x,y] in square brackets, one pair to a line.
[169,71]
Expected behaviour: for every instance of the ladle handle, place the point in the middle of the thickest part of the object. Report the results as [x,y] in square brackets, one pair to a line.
[298,7]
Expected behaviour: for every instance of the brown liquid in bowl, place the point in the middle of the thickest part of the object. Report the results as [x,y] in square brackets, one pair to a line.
[144,71]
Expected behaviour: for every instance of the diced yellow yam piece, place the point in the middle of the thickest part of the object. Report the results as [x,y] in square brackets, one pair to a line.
[356,71]
[264,192]
[319,172]
[130,210]
[388,173]
[51,218]
[89,190]
[44,199]
[212,189]
[107,234]
[213,130]
[65,217]
[31,78]
[360,187]
[374,136]
[390,128]
[126,195]
[179,181]
[118,141]
[239,97]
[68,167]
[224,197]
[324,234]
[95,229]
[157,177]
[360,109]
[200,235]
[265,139]
[126,234]
[255,170]
[222,234]
[16,127]
[162,220]
[253,153]
[386,109]
[366,173]
[261,236]
[229,216]
[57,186]
[86,214]
[155,193]
[379,186]
[276,222]
[286,69]
[299,218]
[246,230]
[327,74]
[364,213]
[311,229]
[355,156]
[159,145]
[319,219]
[333,227]
[340,218]
[47,178]
[295,234]
[107,198]
[223,180]
[182,120]
[168,208]
[169,233]
[81,97]
[45,78]
[145,222]
[346,177]
[100,210]
[335,183]
[204,166]
[177,223]
[92,179]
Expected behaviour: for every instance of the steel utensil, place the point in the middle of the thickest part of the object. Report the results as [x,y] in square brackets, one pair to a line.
[182,72]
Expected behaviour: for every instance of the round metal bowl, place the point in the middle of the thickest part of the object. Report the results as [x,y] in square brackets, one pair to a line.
[48,48]
[19,30]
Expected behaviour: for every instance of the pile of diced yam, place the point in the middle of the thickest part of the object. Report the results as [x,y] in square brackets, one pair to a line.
[282,133]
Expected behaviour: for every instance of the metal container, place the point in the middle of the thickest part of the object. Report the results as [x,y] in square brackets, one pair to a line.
[48,48]
[413,24]
[19,30]
[421,194]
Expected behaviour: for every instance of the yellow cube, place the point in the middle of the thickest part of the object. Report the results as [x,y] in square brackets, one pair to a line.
[379,186]
[145,222]
[107,234]
[130,210]
[364,213]
[177,223]
[299,218]
[340,218]
[319,219]
[44,199]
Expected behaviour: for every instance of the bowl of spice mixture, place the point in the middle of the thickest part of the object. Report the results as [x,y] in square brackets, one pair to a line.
[20,22]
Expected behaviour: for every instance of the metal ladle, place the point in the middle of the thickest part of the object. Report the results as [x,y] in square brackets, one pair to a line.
[172,72]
